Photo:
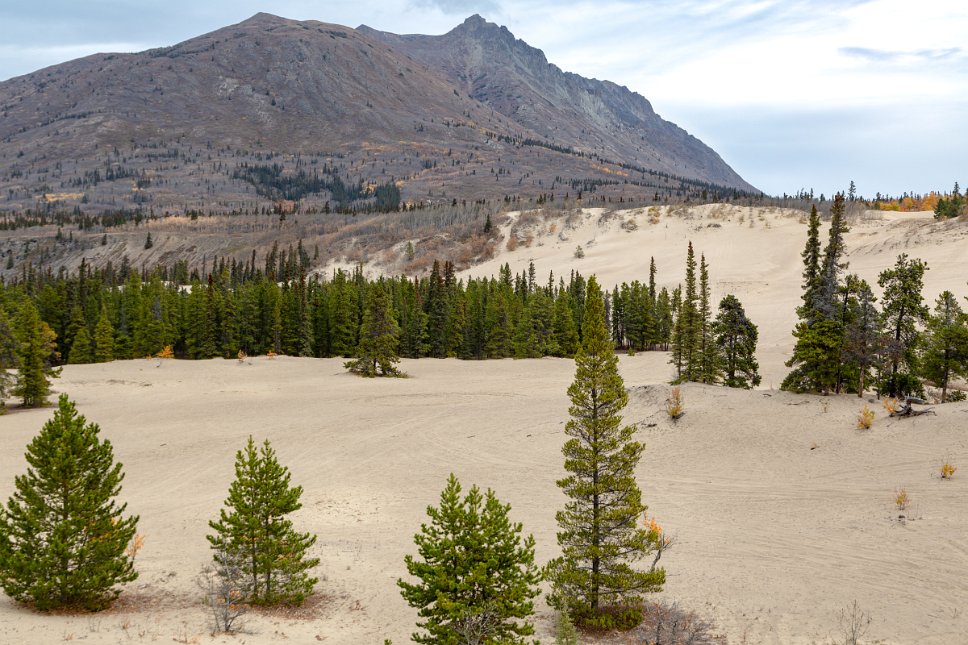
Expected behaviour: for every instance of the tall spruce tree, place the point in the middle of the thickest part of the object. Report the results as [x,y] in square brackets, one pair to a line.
[903,309]
[63,539]
[945,354]
[709,368]
[8,358]
[811,268]
[600,534]
[379,337]
[735,337]
[691,330]
[563,325]
[863,335]
[36,354]
[477,577]
[254,532]
[103,338]
[820,331]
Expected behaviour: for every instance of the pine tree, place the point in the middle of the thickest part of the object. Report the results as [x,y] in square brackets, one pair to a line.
[688,323]
[254,531]
[709,368]
[379,337]
[477,577]
[863,335]
[677,333]
[735,337]
[525,342]
[811,267]
[820,333]
[82,350]
[63,540]
[36,351]
[946,344]
[832,264]
[599,535]
[103,338]
[903,309]
[563,324]
[8,358]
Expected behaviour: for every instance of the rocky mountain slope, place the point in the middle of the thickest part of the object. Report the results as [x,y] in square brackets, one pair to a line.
[273,109]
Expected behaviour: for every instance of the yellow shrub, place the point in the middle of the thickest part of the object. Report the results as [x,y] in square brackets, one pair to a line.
[948,469]
[675,404]
[166,352]
[901,499]
[865,419]
[890,404]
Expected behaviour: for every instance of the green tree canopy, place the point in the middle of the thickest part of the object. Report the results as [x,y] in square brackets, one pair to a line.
[736,336]
[477,577]
[254,532]
[63,538]
[600,534]
[379,337]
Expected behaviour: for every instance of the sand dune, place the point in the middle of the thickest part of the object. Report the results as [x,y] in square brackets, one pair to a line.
[753,253]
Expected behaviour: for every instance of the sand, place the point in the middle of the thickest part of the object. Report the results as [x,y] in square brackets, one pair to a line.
[782,509]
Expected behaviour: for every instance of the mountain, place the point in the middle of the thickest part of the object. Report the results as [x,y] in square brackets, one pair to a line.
[322,114]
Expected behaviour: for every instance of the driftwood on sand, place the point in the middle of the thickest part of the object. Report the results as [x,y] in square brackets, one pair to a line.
[907,409]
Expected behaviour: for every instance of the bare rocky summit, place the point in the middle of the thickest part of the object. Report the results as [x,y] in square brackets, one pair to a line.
[323,115]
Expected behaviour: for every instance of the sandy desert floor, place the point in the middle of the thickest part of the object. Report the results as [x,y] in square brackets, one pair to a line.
[782,509]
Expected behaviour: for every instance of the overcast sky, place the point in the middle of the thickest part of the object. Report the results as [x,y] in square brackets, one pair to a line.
[792,93]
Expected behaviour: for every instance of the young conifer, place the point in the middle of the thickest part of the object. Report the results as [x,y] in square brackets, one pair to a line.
[103,338]
[8,358]
[63,540]
[379,337]
[254,532]
[477,577]
[903,309]
[36,350]
[600,535]
[735,336]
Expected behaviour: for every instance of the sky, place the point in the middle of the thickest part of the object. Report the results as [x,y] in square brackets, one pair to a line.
[793,94]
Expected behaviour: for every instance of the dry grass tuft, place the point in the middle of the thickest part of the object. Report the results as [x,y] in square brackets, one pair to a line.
[901,499]
[890,404]
[675,404]
[947,469]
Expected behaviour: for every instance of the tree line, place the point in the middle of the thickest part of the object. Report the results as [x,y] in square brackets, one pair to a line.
[65,541]
[101,315]
[845,342]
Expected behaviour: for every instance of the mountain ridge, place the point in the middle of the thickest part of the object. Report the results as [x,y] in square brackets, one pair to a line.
[177,128]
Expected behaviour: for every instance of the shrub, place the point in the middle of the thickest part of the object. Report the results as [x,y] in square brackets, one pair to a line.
[955,396]
[890,404]
[854,623]
[225,586]
[579,252]
[947,469]
[865,419]
[901,499]
[166,352]
[675,404]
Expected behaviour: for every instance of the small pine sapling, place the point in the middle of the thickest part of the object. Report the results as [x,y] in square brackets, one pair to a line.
[865,419]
